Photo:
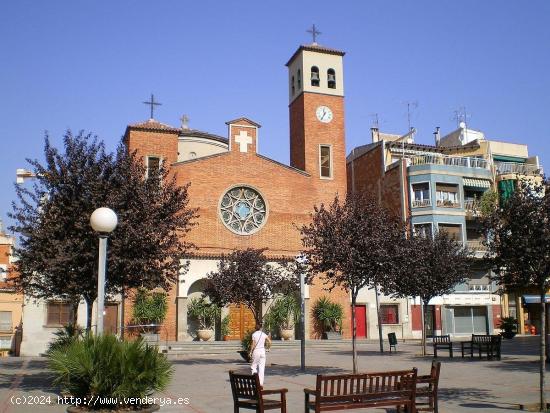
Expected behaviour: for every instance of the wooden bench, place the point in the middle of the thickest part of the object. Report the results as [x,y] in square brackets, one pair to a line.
[357,391]
[248,394]
[490,344]
[426,390]
[442,342]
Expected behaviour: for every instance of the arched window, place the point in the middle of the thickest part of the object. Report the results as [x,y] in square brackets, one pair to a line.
[331,76]
[292,86]
[299,79]
[314,76]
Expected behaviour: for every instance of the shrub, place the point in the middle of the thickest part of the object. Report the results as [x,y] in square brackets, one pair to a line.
[225,325]
[149,307]
[106,367]
[204,312]
[328,315]
[284,313]
[65,336]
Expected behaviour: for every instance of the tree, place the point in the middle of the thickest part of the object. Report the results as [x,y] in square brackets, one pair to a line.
[353,245]
[57,253]
[246,277]
[432,266]
[518,235]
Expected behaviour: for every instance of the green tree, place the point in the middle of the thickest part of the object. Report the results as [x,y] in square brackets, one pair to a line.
[518,234]
[57,253]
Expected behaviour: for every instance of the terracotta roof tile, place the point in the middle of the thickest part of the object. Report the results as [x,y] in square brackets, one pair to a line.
[153,125]
[314,47]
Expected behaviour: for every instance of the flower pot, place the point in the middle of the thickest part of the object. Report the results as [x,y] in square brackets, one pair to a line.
[244,355]
[286,334]
[205,335]
[82,409]
[150,337]
[332,335]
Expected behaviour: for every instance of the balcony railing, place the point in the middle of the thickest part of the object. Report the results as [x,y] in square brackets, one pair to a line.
[439,159]
[421,203]
[504,168]
[471,206]
[476,245]
[446,203]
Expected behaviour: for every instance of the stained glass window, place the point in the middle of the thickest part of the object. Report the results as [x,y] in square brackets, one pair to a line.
[243,210]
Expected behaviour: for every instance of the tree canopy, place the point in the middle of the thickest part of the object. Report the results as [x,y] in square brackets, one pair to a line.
[247,277]
[57,253]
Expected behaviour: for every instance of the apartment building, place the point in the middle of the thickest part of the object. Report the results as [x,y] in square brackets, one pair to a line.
[440,187]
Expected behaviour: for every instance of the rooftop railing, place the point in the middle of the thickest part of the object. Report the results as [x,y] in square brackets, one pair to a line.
[440,159]
[503,168]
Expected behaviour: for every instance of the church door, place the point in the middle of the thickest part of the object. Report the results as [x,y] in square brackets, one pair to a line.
[241,321]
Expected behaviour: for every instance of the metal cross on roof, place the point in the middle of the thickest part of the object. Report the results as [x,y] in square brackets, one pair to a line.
[314,32]
[153,104]
[184,121]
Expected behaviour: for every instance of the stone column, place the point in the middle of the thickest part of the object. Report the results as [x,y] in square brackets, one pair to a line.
[181,319]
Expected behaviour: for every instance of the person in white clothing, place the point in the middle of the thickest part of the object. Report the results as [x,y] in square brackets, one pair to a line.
[260,341]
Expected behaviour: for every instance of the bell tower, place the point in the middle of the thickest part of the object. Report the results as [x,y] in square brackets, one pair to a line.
[316,106]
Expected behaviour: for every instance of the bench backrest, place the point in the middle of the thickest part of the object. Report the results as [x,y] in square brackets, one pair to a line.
[332,386]
[245,386]
[481,338]
[446,339]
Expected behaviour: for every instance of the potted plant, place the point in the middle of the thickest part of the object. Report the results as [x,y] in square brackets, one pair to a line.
[124,373]
[224,327]
[149,312]
[328,317]
[509,327]
[206,314]
[283,315]
[246,346]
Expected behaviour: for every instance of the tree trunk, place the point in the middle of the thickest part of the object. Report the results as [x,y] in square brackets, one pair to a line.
[74,310]
[122,313]
[88,314]
[354,332]
[380,338]
[423,305]
[542,350]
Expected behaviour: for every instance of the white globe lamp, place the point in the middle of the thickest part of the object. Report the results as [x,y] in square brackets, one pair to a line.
[103,221]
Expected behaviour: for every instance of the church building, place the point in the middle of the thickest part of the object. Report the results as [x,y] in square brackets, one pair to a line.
[246,199]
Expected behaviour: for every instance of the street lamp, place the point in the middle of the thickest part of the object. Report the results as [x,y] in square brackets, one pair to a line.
[302,261]
[103,221]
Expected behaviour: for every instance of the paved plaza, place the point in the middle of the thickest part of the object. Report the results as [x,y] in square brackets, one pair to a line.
[465,386]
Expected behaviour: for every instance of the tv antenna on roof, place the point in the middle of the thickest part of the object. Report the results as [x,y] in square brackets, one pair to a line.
[411,106]
[375,120]
[461,116]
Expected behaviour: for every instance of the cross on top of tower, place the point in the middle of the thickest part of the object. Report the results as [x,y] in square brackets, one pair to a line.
[184,121]
[314,33]
[152,103]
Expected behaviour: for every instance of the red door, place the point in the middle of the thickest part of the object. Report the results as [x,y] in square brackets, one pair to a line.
[361,320]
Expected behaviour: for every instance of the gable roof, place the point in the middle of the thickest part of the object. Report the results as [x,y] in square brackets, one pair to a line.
[314,47]
[243,119]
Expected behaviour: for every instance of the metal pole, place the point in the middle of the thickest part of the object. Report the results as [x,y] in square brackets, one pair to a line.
[303,321]
[101,283]
[380,338]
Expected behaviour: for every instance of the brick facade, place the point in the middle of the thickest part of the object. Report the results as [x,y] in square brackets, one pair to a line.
[290,192]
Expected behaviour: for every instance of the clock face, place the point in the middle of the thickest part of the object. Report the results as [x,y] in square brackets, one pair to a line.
[324,114]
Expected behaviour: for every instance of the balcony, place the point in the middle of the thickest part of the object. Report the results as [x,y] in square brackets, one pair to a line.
[503,168]
[421,203]
[471,206]
[476,245]
[439,159]
[447,203]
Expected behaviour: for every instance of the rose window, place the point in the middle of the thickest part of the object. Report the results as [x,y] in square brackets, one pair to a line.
[243,210]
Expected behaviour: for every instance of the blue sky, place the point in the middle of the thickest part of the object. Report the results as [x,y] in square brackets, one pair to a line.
[89,65]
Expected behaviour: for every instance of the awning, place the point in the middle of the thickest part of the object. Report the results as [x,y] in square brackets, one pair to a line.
[534,299]
[477,183]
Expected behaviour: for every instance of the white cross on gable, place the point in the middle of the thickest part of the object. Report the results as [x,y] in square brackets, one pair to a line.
[243,140]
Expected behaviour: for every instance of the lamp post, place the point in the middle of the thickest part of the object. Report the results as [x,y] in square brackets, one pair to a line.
[302,261]
[103,221]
